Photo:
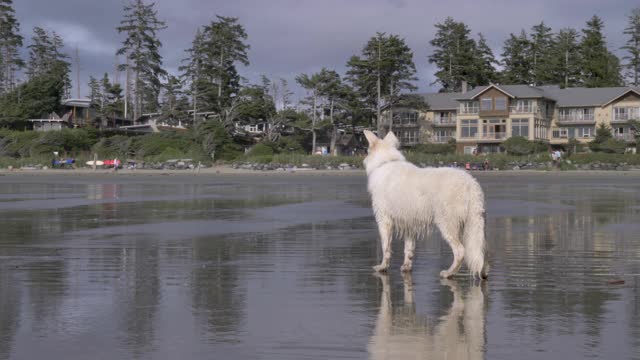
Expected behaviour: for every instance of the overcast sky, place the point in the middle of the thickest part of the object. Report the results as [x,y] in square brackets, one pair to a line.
[289,37]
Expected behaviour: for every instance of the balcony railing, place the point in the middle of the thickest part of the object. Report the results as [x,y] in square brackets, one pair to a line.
[441,139]
[521,109]
[494,136]
[630,114]
[445,120]
[576,118]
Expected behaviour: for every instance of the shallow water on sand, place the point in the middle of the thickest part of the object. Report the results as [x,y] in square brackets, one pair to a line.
[279,267]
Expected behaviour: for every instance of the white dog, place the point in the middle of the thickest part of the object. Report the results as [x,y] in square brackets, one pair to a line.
[407,200]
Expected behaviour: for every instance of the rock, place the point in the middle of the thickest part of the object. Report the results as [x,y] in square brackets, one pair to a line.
[516,167]
[304,165]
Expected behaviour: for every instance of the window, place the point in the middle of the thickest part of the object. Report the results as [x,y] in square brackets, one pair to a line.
[576,114]
[585,132]
[485,104]
[626,113]
[560,133]
[501,103]
[409,137]
[469,128]
[520,127]
[523,106]
[405,118]
[540,128]
[469,107]
[468,150]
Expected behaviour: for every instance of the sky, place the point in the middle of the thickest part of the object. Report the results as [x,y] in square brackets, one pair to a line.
[290,37]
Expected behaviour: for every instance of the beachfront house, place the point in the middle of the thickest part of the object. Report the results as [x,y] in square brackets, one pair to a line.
[483,118]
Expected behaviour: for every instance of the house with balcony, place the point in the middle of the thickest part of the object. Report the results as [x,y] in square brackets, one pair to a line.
[489,115]
[580,110]
[483,118]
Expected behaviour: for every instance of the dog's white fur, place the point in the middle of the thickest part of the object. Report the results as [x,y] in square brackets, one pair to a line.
[407,200]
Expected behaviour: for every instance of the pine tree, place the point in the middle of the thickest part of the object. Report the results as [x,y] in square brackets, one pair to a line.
[210,67]
[566,58]
[225,40]
[39,53]
[600,68]
[484,66]
[516,60]
[633,48]
[385,69]
[540,51]
[171,98]
[142,48]
[95,91]
[453,55]
[46,58]
[10,43]
[313,85]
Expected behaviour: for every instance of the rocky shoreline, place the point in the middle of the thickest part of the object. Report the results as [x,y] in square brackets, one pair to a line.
[190,165]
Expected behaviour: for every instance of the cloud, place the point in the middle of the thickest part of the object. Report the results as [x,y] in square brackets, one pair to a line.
[289,37]
[76,35]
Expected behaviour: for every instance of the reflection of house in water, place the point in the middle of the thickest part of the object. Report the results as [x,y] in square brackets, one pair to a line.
[401,333]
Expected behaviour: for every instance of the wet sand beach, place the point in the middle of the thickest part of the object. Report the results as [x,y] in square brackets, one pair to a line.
[233,264]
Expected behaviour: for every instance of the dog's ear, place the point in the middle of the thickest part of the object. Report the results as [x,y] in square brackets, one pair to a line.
[392,140]
[371,137]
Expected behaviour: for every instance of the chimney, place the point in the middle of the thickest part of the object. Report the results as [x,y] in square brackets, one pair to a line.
[464,86]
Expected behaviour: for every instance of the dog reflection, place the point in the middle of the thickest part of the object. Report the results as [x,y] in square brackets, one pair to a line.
[400,333]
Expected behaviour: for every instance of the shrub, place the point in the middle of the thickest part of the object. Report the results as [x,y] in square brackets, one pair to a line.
[609,146]
[517,145]
[260,150]
[448,148]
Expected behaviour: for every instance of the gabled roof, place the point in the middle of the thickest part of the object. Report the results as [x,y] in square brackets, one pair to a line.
[513,91]
[441,101]
[629,90]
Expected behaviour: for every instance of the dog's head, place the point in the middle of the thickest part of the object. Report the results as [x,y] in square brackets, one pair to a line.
[381,150]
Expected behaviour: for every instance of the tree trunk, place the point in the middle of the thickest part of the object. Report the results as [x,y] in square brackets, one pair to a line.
[136,106]
[566,68]
[334,131]
[220,78]
[313,125]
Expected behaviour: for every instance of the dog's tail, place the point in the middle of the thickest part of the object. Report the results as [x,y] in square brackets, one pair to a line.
[474,243]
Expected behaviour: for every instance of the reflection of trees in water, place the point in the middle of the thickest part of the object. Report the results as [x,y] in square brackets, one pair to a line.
[550,262]
[218,297]
[10,297]
[140,295]
[47,284]
[400,332]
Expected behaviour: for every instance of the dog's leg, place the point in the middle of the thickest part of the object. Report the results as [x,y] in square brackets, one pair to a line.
[409,248]
[385,227]
[451,235]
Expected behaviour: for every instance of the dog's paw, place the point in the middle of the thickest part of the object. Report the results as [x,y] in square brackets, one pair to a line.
[405,268]
[380,268]
[445,274]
